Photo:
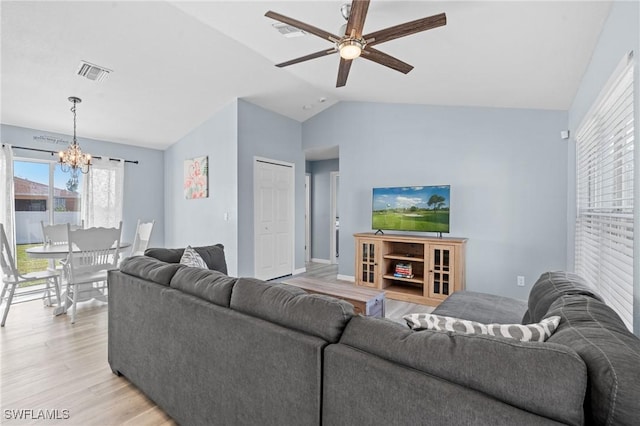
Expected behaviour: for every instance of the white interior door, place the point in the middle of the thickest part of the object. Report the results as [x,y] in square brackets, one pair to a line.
[274,219]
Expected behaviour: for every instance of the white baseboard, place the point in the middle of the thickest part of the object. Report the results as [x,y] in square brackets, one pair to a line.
[325,261]
[299,271]
[349,278]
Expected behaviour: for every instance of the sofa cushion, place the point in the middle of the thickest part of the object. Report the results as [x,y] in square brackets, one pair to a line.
[212,255]
[292,307]
[212,286]
[611,353]
[150,269]
[544,378]
[190,257]
[549,287]
[482,307]
[525,333]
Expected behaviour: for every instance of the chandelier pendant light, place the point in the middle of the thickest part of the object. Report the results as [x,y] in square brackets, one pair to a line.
[73,159]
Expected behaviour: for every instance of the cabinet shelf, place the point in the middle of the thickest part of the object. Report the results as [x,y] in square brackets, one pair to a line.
[402,256]
[417,279]
[405,289]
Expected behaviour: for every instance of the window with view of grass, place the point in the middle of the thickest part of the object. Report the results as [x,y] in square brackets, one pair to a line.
[43,193]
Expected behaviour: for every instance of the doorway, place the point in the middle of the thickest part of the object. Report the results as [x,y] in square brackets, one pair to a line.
[273,218]
[307,218]
[334,218]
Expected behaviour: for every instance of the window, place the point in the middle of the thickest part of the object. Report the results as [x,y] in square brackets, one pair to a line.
[42,193]
[604,189]
[31,205]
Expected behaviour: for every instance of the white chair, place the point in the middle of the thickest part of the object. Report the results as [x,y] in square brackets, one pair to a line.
[56,235]
[11,277]
[92,252]
[141,239]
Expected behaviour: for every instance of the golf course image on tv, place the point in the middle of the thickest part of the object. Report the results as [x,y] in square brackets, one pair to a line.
[411,208]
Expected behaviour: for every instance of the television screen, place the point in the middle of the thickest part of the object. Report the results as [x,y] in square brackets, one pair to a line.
[411,208]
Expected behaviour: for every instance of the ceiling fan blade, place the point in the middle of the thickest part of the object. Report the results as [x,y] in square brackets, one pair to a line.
[386,60]
[357,16]
[406,29]
[301,25]
[307,57]
[343,71]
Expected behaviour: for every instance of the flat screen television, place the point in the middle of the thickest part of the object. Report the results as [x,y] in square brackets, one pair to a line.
[411,208]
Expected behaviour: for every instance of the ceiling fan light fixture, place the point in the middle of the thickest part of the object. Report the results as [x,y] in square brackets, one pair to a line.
[350,48]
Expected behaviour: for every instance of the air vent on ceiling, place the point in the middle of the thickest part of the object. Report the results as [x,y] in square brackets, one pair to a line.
[92,72]
[288,30]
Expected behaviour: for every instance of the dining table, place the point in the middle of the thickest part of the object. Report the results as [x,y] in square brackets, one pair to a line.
[58,251]
[61,251]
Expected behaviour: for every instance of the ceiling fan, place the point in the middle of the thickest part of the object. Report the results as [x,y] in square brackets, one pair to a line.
[352,43]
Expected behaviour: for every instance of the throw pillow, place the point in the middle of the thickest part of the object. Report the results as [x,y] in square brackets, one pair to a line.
[531,332]
[190,257]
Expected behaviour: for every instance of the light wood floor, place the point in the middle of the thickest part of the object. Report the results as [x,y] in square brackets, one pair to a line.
[48,364]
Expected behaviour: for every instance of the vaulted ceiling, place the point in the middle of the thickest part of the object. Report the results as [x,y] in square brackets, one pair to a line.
[175,64]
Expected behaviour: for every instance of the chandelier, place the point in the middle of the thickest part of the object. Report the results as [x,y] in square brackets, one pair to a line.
[73,159]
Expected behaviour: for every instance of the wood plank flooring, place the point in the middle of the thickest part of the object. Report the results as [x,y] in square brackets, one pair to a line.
[49,366]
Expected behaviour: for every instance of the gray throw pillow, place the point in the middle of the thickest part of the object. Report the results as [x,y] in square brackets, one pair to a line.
[190,257]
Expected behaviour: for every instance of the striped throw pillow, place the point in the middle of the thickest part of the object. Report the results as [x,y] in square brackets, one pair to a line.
[525,333]
[190,257]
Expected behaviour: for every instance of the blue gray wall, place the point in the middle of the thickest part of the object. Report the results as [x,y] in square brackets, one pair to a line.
[232,138]
[506,168]
[321,207]
[143,190]
[262,133]
[620,35]
[214,219]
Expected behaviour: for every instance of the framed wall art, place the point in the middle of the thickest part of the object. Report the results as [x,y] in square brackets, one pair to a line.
[196,178]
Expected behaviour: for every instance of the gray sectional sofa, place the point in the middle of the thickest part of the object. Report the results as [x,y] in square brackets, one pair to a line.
[215,350]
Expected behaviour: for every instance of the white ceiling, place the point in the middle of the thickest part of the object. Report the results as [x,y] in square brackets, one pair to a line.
[177,63]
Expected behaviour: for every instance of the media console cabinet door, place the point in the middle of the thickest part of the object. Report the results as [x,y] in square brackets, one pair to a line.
[367,264]
[442,276]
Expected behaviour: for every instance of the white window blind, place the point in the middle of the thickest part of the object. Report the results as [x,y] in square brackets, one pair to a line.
[604,190]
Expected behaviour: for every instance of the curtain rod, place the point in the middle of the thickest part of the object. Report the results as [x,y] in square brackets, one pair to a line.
[55,152]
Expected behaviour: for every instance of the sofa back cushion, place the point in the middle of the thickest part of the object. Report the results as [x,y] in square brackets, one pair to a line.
[150,269]
[543,378]
[611,353]
[212,255]
[212,286]
[549,287]
[292,307]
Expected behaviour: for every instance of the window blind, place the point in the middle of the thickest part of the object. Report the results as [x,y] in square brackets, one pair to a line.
[604,194]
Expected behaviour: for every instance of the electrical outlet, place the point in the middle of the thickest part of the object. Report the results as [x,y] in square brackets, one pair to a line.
[520,280]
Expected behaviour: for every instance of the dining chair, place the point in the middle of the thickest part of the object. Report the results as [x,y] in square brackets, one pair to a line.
[12,278]
[141,238]
[92,252]
[56,235]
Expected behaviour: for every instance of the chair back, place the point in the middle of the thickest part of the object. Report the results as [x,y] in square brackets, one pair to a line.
[57,235]
[141,239]
[9,270]
[96,249]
